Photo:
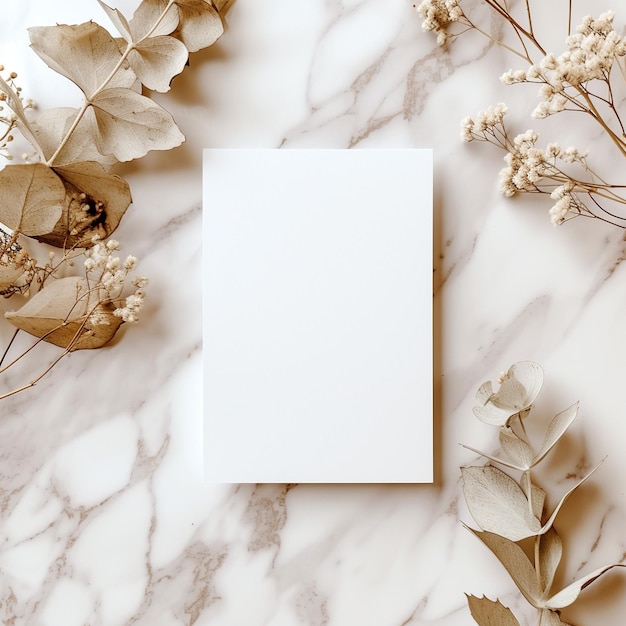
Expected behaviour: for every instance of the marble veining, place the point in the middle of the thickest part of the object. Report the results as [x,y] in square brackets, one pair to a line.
[104,518]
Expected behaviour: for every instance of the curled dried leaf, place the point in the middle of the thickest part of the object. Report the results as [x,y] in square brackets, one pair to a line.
[200,24]
[69,314]
[95,202]
[153,18]
[31,198]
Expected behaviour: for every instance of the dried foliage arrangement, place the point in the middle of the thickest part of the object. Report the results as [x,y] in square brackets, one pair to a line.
[511,511]
[587,78]
[64,194]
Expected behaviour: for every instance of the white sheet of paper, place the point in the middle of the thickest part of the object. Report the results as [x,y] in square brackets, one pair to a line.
[318,316]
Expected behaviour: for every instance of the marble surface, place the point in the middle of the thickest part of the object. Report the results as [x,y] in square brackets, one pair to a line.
[104,518]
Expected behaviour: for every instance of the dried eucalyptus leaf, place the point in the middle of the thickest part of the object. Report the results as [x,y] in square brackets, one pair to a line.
[84,53]
[157,60]
[486,612]
[152,19]
[66,314]
[94,205]
[550,522]
[567,596]
[51,127]
[556,429]
[119,21]
[130,125]
[538,498]
[31,198]
[515,562]
[550,553]
[516,449]
[200,24]
[484,393]
[497,503]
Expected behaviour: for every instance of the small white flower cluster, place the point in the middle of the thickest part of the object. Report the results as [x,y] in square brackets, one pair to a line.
[113,275]
[590,55]
[485,121]
[438,15]
[564,202]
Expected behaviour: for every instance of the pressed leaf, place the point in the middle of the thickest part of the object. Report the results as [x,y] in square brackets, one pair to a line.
[515,562]
[200,24]
[31,198]
[130,125]
[497,503]
[568,595]
[84,53]
[157,60]
[119,21]
[556,429]
[151,19]
[95,203]
[486,612]
[517,450]
[550,553]
[52,125]
[68,315]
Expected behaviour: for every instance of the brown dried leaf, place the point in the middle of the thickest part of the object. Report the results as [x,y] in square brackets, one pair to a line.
[200,24]
[130,125]
[150,13]
[550,618]
[486,612]
[84,53]
[94,205]
[157,60]
[31,198]
[550,553]
[67,314]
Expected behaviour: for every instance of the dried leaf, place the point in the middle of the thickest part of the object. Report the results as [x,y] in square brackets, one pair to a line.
[67,314]
[51,127]
[84,53]
[517,450]
[497,503]
[568,595]
[119,20]
[550,553]
[515,562]
[157,60]
[538,500]
[200,24]
[130,125]
[556,429]
[550,522]
[486,612]
[151,19]
[31,198]
[94,205]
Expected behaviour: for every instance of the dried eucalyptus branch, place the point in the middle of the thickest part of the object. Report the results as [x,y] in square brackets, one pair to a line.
[65,194]
[509,511]
[587,78]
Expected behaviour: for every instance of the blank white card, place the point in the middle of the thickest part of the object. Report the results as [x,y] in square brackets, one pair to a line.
[318,316]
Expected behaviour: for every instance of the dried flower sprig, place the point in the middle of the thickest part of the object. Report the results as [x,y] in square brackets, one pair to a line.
[588,77]
[65,195]
[510,511]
